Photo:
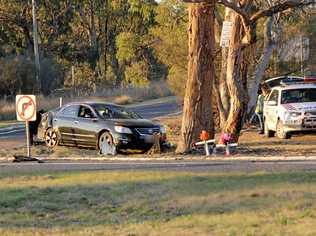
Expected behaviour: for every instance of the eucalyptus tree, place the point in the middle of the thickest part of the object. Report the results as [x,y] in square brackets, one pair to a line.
[197,115]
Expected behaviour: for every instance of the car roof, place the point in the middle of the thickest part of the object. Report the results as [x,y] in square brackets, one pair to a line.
[92,103]
[295,86]
[283,77]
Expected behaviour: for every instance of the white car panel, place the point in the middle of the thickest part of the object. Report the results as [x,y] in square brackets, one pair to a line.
[295,116]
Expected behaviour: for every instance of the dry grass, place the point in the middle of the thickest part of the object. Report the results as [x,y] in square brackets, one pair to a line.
[157,203]
[123,100]
[120,96]
[250,143]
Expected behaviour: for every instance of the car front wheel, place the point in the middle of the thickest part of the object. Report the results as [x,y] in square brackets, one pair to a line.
[280,132]
[106,144]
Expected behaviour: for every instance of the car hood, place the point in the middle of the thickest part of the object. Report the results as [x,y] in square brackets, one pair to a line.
[307,106]
[133,123]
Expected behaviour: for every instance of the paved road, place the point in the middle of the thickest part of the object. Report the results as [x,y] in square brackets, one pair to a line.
[180,165]
[149,110]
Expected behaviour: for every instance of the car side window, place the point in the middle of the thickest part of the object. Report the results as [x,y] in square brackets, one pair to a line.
[106,113]
[274,96]
[70,111]
[85,112]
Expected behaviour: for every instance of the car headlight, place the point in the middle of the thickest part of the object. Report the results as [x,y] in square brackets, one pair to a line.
[122,130]
[163,130]
[294,114]
[293,117]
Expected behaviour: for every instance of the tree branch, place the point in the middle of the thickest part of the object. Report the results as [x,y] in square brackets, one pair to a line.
[280,7]
[228,4]
[236,8]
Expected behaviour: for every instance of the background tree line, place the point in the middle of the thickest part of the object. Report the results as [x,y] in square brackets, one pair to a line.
[108,43]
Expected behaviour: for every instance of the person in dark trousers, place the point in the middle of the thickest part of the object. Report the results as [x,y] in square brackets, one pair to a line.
[263,92]
[33,125]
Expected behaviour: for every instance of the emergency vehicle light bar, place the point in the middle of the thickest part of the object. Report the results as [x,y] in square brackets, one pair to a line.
[289,81]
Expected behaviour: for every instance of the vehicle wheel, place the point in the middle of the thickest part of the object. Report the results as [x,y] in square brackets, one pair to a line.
[280,131]
[51,138]
[268,133]
[106,144]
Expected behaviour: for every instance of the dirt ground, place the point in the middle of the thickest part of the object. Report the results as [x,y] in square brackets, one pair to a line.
[250,143]
[254,144]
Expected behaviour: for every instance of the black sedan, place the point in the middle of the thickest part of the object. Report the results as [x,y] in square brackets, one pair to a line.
[106,127]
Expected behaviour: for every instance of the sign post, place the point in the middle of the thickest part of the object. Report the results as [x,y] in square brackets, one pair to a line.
[26,111]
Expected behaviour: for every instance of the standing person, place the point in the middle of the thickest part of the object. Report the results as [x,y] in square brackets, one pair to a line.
[33,125]
[259,110]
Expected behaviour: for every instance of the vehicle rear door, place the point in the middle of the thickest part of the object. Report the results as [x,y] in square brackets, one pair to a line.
[65,122]
[271,109]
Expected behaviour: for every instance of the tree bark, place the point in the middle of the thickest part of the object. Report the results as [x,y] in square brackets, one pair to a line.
[269,45]
[197,110]
[224,99]
[236,80]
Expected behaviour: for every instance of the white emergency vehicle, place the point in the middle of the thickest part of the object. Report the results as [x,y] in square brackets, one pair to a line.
[290,107]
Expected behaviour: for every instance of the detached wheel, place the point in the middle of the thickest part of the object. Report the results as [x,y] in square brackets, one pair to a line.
[268,133]
[280,132]
[51,138]
[106,144]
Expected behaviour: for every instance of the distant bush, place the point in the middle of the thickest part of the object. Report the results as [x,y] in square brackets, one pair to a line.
[123,100]
[17,74]
[176,80]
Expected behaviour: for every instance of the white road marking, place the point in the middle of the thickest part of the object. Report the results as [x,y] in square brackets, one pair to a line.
[12,131]
[155,163]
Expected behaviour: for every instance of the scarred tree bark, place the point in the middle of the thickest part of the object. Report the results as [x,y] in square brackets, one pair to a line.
[222,89]
[197,110]
[236,78]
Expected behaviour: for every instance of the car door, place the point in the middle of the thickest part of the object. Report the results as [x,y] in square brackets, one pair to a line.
[86,126]
[64,121]
[270,109]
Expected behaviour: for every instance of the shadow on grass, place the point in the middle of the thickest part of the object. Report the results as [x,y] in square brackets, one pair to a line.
[141,201]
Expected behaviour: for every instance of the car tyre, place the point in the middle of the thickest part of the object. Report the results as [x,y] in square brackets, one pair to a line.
[268,133]
[106,144]
[51,138]
[280,131]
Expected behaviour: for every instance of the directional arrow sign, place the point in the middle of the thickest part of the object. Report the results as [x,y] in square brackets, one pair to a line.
[25,107]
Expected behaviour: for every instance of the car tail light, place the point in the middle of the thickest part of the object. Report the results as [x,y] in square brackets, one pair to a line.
[310,79]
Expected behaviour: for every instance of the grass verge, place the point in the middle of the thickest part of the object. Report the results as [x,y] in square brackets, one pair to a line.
[157,203]
[4,124]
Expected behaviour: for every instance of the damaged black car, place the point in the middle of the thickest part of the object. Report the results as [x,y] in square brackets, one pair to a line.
[106,127]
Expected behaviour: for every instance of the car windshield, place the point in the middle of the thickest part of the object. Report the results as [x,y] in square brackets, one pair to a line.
[298,95]
[115,112]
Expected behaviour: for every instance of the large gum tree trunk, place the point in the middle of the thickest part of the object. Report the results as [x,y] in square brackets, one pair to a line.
[224,99]
[197,110]
[236,80]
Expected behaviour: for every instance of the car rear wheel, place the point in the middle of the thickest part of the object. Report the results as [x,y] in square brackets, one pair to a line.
[51,138]
[268,133]
[106,144]
[280,132]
